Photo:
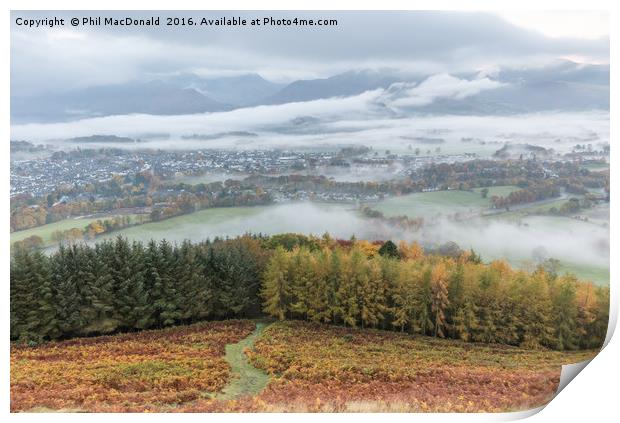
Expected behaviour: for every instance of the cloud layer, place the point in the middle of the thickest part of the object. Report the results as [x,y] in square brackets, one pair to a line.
[417,42]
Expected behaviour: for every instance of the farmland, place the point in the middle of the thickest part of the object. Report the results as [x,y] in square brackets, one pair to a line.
[430,204]
[306,367]
[233,221]
[46,231]
[484,234]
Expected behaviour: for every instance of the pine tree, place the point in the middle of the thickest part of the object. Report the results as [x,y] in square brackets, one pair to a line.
[276,290]
[535,304]
[42,320]
[456,294]
[440,300]
[130,298]
[403,295]
[101,296]
[466,321]
[191,286]
[318,290]
[22,293]
[334,276]
[422,321]
[372,296]
[565,313]
[351,278]
[597,329]
[389,249]
[66,276]
[300,276]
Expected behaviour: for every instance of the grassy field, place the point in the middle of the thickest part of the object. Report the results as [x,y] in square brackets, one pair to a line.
[430,204]
[239,365]
[598,274]
[232,221]
[189,226]
[590,236]
[45,231]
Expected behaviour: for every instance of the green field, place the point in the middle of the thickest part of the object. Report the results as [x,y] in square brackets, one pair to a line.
[46,231]
[189,226]
[561,235]
[597,274]
[511,235]
[430,204]
[304,218]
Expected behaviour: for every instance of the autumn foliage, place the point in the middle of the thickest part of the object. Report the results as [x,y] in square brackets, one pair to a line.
[145,371]
[313,367]
[326,368]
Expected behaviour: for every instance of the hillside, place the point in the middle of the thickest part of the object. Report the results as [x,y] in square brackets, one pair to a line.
[306,367]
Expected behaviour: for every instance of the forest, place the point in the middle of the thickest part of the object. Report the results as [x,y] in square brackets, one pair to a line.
[118,286]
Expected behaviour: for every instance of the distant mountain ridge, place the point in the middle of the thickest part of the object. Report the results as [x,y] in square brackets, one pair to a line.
[341,85]
[562,86]
[154,97]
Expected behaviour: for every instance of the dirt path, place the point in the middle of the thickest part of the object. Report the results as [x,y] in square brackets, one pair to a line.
[246,379]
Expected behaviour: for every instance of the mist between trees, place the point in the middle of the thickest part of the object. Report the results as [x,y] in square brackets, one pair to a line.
[116,286]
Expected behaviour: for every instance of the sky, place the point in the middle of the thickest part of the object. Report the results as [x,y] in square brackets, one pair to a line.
[558,24]
[417,42]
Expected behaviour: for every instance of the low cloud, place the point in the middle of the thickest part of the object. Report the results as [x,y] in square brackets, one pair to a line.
[435,87]
[365,119]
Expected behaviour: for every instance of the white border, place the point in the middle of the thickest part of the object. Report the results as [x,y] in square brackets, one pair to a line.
[592,396]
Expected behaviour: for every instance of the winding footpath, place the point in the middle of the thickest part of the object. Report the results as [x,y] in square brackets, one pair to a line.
[246,379]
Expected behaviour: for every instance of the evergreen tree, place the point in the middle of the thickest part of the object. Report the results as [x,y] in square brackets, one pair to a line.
[318,290]
[389,249]
[276,288]
[565,313]
[440,301]
[66,276]
[422,322]
[404,297]
[352,276]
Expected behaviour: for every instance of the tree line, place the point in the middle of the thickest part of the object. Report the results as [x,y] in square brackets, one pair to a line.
[116,286]
[404,289]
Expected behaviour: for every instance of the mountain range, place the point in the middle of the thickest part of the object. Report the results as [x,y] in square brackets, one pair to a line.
[564,85]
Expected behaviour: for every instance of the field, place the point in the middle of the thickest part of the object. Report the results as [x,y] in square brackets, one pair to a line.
[558,235]
[528,231]
[46,231]
[430,204]
[283,366]
[337,219]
